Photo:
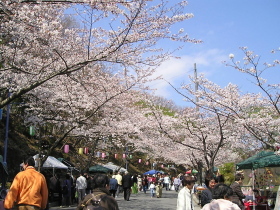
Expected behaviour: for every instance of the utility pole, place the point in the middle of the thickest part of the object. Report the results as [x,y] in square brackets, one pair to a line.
[196,87]
[126,155]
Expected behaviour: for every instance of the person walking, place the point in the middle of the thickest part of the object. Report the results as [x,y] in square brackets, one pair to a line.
[127,184]
[113,184]
[101,193]
[66,191]
[89,184]
[29,189]
[53,187]
[167,182]
[152,189]
[184,200]
[73,189]
[59,189]
[119,179]
[145,184]
[176,183]
[81,185]
[139,183]
[237,192]
[159,189]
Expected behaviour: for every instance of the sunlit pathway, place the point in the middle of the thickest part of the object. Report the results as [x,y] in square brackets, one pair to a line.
[145,202]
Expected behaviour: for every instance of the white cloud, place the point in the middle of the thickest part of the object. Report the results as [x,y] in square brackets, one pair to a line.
[177,71]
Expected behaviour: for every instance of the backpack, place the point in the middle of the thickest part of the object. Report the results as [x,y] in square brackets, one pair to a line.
[92,203]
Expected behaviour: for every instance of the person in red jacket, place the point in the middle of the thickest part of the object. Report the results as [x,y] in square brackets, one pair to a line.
[29,189]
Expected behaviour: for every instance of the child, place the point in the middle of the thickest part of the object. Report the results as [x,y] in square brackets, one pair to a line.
[158,189]
[152,189]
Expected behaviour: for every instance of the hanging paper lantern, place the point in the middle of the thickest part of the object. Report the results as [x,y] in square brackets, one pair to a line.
[116,156]
[103,155]
[107,154]
[189,172]
[31,130]
[86,150]
[168,166]
[80,151]
[139,161]
[194,171]
[124,155]
[66,148]
[130,156]
[98,154]
[162,166]
[154,164]
[147,163]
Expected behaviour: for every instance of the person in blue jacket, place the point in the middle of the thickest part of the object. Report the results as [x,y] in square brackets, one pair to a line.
[113,184]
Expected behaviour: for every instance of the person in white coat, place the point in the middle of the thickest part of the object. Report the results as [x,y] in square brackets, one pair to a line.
[81,185]
[221,199]
[184,200]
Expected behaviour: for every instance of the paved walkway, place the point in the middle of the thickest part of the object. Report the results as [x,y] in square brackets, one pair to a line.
[144,201]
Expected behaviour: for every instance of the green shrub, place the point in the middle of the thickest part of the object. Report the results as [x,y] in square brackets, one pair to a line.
[228,170]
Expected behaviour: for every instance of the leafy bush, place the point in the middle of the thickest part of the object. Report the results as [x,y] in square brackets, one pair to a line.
[228,170]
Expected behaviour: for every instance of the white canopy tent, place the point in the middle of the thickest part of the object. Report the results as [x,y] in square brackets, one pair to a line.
[114,167]
[50,163]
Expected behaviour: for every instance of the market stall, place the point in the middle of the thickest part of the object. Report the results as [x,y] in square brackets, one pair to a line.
[51,163]
[261,173]
[114,167]
[99,169]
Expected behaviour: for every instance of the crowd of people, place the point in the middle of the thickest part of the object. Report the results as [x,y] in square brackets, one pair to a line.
[215,195]
[33,190]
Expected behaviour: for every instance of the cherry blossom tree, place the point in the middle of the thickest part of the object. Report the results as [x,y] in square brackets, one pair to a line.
[73,77]
[262,121]
[36,48]
[258,113]
[225,116]
[81,107]
[204,136]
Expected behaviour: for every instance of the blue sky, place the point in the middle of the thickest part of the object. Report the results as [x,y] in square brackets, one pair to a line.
[223,26]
